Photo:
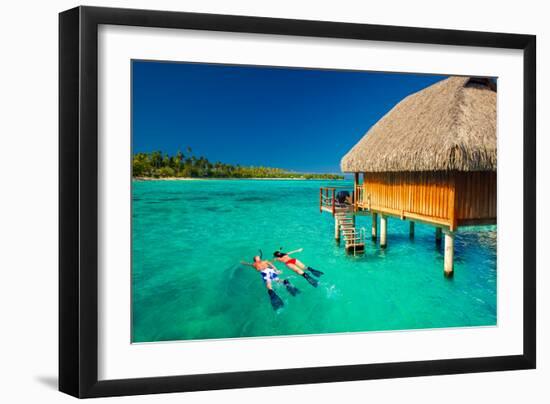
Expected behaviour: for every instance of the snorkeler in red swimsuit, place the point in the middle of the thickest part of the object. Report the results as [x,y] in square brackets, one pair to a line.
[291,261]
[297,266]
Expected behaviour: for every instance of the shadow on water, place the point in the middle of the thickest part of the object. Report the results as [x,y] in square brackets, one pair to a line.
[216,209]
[253,199]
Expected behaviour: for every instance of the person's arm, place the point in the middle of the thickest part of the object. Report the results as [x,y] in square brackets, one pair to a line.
[295,251]
[272,265]
[247,264]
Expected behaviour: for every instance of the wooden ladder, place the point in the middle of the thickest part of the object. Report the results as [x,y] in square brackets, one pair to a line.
[354,239]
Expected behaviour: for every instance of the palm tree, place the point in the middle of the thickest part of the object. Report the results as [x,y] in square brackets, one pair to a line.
[179,157]
[156,158]
[166,161]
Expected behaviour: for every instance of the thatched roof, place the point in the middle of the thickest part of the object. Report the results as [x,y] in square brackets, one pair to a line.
[450,125]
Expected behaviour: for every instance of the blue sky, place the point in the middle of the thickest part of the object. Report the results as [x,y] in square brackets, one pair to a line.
[298,119]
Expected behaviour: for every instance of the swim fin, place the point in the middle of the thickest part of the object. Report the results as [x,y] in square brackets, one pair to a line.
[293,290]
[312,282]
[276,301]
[315,272]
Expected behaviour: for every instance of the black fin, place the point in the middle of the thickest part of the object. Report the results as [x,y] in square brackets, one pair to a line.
[293,290]
[315,272]
[276,301]
[311,281]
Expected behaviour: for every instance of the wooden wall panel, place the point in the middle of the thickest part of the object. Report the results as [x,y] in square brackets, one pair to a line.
[439,197]
[419,193]
[477,195]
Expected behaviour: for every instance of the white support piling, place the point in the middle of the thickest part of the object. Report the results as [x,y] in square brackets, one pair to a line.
[383,229]
[336,230]
[438,235]
[374,225]
[449,253]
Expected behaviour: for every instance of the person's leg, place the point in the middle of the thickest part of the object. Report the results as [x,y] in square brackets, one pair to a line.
[276,301]
[295,268]
[303,267]
[300,265]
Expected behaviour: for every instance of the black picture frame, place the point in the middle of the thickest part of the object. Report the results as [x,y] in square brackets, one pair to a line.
[78,201]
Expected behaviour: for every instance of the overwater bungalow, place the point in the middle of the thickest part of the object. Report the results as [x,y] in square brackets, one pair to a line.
[431,159]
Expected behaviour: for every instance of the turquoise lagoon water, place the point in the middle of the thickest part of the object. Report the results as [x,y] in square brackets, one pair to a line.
[187,283]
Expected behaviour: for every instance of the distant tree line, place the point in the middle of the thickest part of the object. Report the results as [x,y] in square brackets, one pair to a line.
[157,164]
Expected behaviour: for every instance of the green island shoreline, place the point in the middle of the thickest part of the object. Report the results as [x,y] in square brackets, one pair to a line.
[157,165]
[234,178]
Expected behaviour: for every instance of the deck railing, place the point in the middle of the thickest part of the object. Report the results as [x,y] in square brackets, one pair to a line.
[356,239]
[327,198]
[362,198]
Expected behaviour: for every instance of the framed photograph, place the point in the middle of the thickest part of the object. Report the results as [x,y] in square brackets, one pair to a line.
[251,201]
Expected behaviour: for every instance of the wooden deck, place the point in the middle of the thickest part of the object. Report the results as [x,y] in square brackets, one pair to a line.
[343,211]
[328,200]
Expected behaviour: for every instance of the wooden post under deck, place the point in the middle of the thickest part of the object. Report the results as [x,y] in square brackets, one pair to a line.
[374,225]
[333,202]
[383,229]
[336,231]
[354,193]
[448,267]
[411,229]
[438,235]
